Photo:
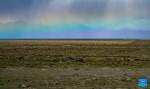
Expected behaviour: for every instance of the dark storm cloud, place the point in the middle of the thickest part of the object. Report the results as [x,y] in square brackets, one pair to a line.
[99,7]
[12,10]
[14,6]
[78,6]
[89,7]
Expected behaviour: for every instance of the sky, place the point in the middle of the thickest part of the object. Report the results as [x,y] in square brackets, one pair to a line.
[74,19]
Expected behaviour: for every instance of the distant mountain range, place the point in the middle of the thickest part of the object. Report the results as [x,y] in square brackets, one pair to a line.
[1,24]
[19,22]
[23,30]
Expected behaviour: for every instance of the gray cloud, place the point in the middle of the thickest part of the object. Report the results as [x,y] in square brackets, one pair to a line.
[11,10]
[26,9]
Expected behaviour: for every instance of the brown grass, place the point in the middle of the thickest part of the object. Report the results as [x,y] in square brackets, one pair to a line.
[36,61]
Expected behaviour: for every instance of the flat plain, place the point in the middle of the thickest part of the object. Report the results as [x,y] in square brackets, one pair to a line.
[74,64]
